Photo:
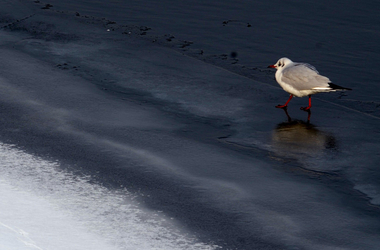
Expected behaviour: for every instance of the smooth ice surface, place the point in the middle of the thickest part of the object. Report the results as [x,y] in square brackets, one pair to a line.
[151,125]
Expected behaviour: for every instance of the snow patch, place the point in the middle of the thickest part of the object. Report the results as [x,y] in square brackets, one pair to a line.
[45,207]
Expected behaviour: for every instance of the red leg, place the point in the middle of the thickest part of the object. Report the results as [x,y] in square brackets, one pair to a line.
[279,106]
[309,107]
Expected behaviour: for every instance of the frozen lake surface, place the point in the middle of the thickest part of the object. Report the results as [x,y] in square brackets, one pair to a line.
[147,125]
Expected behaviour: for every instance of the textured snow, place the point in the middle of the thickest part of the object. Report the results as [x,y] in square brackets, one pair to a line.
[43,207]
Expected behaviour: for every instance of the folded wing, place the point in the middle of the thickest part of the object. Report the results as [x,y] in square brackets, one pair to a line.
[303,76]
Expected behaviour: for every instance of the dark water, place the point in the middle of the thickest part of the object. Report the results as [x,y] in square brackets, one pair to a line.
[340,38]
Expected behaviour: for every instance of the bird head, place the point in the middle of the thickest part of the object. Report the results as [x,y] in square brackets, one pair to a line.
[282,62]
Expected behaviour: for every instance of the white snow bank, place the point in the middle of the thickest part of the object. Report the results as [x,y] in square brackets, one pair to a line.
[43,207]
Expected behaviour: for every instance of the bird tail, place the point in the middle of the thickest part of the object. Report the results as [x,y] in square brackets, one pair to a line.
[337,87]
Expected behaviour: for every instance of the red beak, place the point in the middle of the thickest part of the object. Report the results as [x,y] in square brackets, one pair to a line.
[271,66]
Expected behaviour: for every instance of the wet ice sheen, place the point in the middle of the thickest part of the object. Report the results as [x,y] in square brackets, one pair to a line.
[43,207]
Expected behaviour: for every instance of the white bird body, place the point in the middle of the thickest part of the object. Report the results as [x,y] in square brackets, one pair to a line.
[301,79]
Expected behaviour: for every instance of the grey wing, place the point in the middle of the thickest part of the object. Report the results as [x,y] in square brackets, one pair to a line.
[304,76]
[307,66]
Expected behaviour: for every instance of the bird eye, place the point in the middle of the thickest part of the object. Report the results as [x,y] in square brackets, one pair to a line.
[279,64]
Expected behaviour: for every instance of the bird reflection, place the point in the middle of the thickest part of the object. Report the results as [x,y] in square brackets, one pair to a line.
[290,119]
[299,139]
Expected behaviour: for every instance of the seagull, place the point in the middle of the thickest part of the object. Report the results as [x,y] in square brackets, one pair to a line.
[301,79]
